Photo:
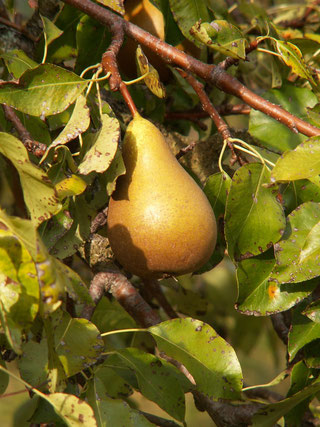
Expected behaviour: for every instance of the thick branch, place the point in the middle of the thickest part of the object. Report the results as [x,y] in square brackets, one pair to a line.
[35,147]
[210,73]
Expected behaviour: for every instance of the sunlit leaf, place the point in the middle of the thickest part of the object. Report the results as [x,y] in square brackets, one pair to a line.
[100,155]
[221,36]
[254,218]
[302,162]
[187,12]
[152,79]
[211,361]
[42,91]
[38,192]
[297,254]
[269,131]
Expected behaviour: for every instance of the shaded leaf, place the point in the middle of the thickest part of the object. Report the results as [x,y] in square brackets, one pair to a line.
[38,191]
[270,414]
[42,91]
[90,33]
[4,378]
[33,365]
[258,295]
[254,218]
[292,264]
[187,12]
[113,412]
[157,379]
[104,148]
[269,131]
[313,311]
[300,163]
[221,36]
[211,361]
[108,383]
[116,169]
[17,62]
[216,189]
[77,343]
[152,79]
[303,331]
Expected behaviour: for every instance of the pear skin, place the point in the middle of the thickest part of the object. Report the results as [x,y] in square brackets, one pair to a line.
[159,220]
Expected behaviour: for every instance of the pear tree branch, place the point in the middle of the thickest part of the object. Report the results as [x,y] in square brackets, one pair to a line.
[208,107]
[210,73]
[109,64]
[33,146]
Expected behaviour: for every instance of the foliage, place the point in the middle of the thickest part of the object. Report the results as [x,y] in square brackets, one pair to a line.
[84,371]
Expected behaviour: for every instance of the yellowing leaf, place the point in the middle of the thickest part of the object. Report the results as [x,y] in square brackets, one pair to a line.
[152,79]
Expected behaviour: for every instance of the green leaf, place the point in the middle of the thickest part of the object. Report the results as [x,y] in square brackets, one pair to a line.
[47,275]
[303,331]
[17,62]
[187,12]
[19,288]
[216,189]
[211,361]
[108,383]
[33,364]
[157,379]
[300,378]
[71,186]
[53,230]
[152,79]
[42,91]
[73,411]
[254,218]
[297,256]
[221,36]
[77,124]
[116,169]
[38,192]
[270,414]
[104,148]
[90,33]
[51,31]
[113,412]
[4,378]
[269,131]
[77,343]
[257,295]
[313,311]
[300,163]
[292,57]
[314,115]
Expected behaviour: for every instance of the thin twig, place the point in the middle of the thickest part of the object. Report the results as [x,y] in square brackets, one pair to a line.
[33,146]
[207,106]
[186,150]
[155,289]
[159,421]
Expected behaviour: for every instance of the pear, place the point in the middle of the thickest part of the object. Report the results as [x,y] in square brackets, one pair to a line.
[159,220]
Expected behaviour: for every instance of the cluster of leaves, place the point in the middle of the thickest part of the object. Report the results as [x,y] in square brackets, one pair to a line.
[84,372]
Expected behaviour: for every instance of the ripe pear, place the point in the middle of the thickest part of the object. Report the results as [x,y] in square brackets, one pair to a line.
[159,220]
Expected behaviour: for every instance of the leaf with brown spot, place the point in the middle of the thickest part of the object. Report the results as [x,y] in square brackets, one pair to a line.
[100,155]
[38,191]
[152,79]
